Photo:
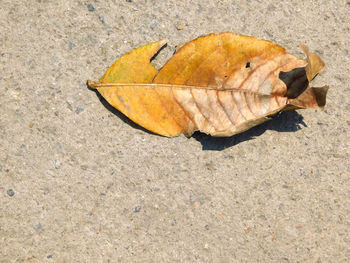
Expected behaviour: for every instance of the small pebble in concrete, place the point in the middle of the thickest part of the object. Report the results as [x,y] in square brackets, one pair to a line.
[57,164]
[71,45]
[192,197]
[137,208]
[49,256]
[0,167]
[37,227]
[129,1]
[10,192]
[153,25]
[90,7]
[80,109]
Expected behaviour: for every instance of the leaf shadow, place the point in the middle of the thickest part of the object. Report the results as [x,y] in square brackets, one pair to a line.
[289,121]
[116,112]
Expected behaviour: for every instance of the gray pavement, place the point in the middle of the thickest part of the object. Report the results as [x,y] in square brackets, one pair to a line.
[79,182]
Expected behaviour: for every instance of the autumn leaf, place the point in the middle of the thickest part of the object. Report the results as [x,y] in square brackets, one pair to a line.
[219,84]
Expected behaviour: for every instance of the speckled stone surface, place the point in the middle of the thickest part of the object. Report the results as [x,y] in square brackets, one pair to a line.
[81,183]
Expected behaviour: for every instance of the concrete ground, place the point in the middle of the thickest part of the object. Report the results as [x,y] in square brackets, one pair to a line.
[79,182]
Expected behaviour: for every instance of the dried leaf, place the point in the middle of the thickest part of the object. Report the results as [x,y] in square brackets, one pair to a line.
[220,84]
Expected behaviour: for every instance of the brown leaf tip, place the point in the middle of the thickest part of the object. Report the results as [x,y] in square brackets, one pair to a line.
[321,94]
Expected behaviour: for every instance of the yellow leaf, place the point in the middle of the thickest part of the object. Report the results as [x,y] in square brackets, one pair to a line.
[219,84]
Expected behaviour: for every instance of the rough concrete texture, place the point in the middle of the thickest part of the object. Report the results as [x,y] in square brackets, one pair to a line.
[81,183]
